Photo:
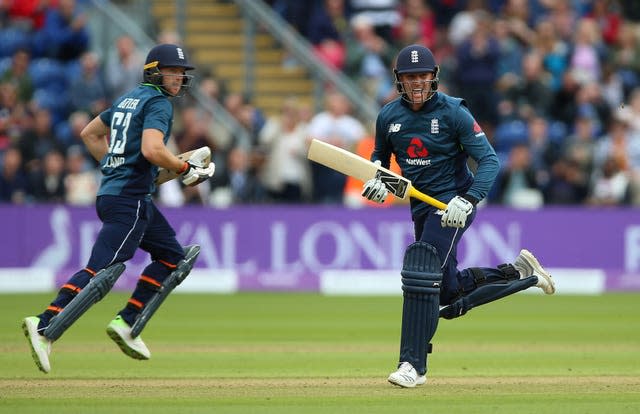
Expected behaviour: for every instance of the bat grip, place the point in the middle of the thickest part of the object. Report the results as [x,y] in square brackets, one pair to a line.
[427,199]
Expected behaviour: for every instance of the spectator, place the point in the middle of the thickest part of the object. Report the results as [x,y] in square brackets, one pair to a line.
[464,23]
[286,174]
[418,24]
[237,184]
[13,115]
[18,74]
[584,60]
[554,51]
[81,181]
[511,53]
[68,133]
[369,58]
[193,132]
[564,107]
[64,35]
[626,58]
[327,31]
[37,141]
[532,92]
[88,92]
[384,15]
[336,126]
[124,71]
[630,113]
[477,72]
[620,141]
[544,152]
[46,185]
[563,17]
[517,184]
[610,185]
[606,15]
[13,180]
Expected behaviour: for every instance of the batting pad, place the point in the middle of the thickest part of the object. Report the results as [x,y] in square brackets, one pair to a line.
[421,279]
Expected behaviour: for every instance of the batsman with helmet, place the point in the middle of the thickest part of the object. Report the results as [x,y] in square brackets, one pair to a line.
[432,135]
[139,125]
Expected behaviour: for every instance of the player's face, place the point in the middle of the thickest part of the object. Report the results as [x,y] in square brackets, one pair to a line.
[172,79]
[417,86]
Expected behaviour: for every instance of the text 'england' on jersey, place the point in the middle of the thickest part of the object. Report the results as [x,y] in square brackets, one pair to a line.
[125,171]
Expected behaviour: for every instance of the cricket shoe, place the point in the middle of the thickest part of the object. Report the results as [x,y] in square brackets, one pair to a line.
[527,264]
[120,332]
[406,376]
[39,344]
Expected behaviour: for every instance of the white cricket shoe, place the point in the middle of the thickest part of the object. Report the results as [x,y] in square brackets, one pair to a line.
[120,332]
[527,264]
[406,376]
[40,345]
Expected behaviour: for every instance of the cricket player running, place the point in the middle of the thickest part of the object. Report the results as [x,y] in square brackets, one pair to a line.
[139,123]
[432,135]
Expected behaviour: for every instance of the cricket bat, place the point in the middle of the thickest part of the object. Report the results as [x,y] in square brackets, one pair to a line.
[355,166]
[166,175]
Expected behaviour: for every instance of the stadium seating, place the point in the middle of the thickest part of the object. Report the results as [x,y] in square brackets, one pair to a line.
[12,39]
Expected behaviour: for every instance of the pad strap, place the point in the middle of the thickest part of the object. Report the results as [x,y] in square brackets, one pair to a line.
[97,288]
[174,279]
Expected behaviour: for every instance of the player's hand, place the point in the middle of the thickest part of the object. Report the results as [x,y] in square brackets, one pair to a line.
[194,175]
[456,213]
[374,189]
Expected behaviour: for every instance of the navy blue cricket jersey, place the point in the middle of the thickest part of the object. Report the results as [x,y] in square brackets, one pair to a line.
[125,171]
[432,146]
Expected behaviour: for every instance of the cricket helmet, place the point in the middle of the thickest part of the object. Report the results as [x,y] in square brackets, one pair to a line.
[416,59]
[163,56]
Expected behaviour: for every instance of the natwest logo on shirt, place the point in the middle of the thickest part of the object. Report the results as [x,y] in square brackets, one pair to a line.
[417,152]
[416,148]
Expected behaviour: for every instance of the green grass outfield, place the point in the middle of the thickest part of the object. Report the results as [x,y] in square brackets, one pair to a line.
[305,353]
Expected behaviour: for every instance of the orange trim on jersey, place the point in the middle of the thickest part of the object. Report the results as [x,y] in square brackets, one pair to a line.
[136,303]
[150,280]
[91,272]
[55,309]
[169,265]
[71,287]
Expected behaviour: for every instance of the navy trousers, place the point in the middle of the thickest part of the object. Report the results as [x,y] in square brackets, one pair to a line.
[127,224]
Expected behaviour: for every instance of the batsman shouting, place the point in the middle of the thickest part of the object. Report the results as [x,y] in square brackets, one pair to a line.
[432,135]
[139,123]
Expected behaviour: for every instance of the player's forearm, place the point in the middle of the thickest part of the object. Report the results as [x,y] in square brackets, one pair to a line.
[159,155]
[94,138]
[96,145]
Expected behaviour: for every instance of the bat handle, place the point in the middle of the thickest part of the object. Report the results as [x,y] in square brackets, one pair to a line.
[427,199]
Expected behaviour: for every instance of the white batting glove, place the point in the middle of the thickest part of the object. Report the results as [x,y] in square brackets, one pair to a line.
[198,167]
[374,189]
[456,213]
[194,175]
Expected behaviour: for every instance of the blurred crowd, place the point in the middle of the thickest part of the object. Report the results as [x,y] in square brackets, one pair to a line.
[555,84]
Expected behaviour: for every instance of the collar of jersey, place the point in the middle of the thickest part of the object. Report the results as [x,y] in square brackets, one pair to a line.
[156,87]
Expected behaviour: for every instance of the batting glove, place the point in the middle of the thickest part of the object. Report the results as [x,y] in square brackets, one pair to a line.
[193,175]
[456,213]
[374,189]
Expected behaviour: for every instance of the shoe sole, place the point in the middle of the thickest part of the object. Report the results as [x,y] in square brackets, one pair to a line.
[123,345]
[34,354]
[406,386]
[539,270]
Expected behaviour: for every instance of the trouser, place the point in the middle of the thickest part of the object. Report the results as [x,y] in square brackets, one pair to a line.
[127,224]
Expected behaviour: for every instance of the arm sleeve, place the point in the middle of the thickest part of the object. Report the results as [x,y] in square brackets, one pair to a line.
[158,114]
[382,149]
[105,117]
[475,143]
